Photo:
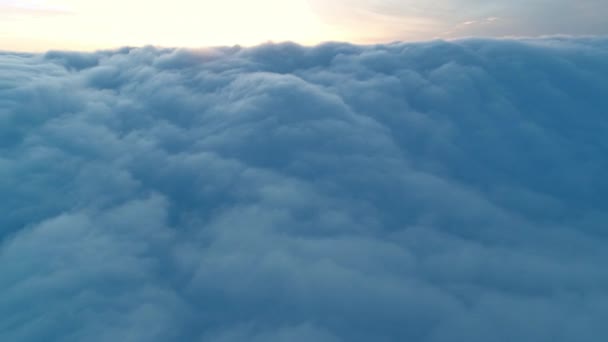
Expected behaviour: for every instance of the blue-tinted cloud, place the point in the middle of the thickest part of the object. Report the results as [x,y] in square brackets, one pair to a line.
[426,192]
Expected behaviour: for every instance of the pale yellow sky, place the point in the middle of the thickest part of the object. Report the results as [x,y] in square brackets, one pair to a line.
[86,24]
[39,25]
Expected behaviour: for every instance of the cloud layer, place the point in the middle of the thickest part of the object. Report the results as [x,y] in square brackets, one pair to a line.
[441,191]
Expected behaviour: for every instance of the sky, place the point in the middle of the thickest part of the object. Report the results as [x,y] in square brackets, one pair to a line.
[39,25]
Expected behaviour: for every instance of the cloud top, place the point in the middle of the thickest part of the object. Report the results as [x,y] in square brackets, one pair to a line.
[435,191]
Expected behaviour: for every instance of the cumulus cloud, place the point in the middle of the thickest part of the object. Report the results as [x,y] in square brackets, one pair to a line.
[435,191]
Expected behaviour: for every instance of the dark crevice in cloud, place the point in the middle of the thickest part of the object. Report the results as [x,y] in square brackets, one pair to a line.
[434,191]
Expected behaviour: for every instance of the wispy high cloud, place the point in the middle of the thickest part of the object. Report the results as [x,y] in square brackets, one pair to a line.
[523,18]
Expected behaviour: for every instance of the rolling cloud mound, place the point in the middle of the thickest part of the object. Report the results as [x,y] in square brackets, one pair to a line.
[439,191]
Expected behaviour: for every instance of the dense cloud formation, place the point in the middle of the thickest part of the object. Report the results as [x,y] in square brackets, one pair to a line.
[440,191]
